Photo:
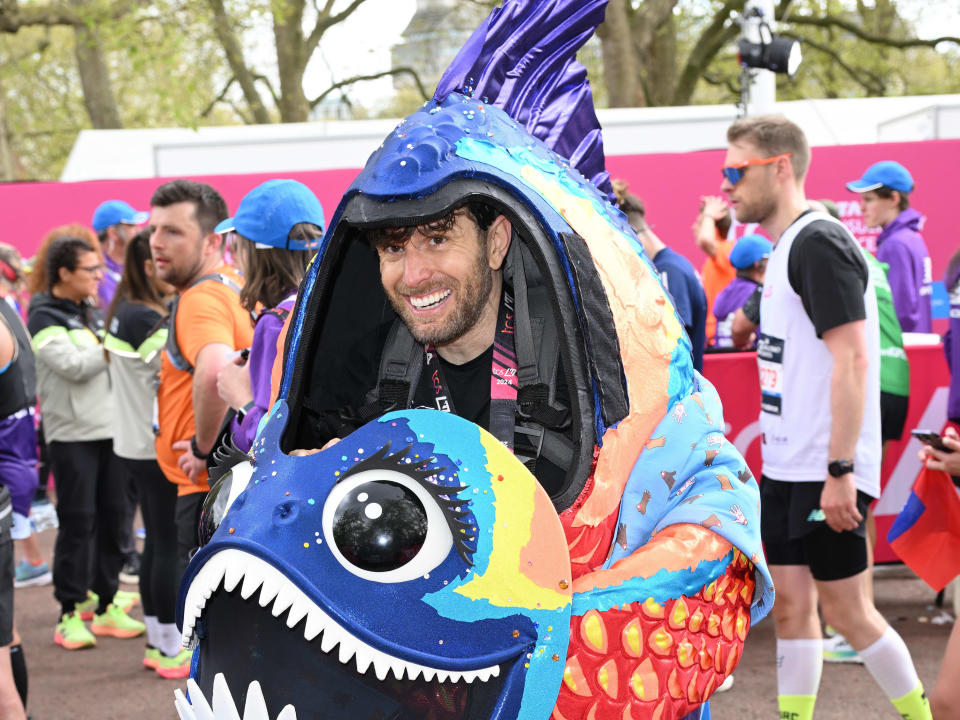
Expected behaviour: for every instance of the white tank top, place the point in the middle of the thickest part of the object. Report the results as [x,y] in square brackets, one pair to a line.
[795,368]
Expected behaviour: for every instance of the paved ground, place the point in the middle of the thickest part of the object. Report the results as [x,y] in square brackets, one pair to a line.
[108,682]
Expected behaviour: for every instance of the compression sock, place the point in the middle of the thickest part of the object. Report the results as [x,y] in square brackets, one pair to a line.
[799,665]
[889,661]
[18,663]
[170,642]
[154,637]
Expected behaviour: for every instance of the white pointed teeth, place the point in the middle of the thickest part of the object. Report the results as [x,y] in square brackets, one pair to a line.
[235,568]
[224,707]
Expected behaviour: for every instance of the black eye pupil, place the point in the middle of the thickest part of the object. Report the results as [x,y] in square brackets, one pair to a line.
[380,526]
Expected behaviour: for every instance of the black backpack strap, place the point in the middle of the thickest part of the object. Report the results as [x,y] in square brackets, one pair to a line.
[172,347]
[400,367]
[536,341]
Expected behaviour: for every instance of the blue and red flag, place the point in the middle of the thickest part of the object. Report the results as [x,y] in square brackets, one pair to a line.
[926,533]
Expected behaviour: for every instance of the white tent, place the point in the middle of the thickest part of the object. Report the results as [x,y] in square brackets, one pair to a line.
[119,154]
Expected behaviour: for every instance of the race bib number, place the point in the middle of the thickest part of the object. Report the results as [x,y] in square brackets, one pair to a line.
[770,365]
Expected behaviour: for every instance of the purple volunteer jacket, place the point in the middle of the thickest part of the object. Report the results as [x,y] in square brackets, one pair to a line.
[263,351]
[731,299]
[951,343]
[902,248]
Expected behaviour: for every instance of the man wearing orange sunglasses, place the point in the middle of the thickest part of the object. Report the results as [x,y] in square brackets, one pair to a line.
[819,363]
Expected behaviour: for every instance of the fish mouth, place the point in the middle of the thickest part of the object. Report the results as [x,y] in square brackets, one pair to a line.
[251,623]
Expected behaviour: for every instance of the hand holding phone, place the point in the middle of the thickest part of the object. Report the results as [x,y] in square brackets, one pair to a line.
[929,437]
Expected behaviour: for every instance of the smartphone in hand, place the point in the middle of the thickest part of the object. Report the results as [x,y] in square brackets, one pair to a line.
[929,437]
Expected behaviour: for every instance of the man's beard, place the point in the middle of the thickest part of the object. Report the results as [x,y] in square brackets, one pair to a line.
[758,210]
[181,278]
[465,314]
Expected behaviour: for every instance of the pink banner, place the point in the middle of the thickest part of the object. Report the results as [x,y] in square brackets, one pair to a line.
[735,377]
[669,184]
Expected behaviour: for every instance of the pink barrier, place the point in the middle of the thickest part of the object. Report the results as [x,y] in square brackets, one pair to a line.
[669,184]
[735,377]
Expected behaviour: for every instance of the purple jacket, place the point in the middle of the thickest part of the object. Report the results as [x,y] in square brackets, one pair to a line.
[731,299]
[112,271]
[902,248]
[263,351]
[951,343]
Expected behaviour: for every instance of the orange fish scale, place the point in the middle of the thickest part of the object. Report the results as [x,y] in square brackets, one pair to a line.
[608,678]
[679,615]
[649,660]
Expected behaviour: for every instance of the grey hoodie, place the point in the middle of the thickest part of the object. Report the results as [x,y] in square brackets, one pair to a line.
[72,380]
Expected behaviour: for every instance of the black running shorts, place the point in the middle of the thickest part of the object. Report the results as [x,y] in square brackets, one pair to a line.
[893,415]
[795,532]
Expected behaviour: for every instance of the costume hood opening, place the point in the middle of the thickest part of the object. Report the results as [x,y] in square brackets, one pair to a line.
[339,350]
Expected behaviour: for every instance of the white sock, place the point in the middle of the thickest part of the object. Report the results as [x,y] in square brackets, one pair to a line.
[170,642]
[153,630]
[799,664]
[889,661]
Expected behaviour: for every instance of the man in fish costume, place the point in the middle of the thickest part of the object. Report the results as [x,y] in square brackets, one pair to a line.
[416,568]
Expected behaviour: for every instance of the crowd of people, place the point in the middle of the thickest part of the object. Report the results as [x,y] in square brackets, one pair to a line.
[152,340]
[140,349]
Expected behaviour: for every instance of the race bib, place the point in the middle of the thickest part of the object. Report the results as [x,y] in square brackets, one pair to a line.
[770,365]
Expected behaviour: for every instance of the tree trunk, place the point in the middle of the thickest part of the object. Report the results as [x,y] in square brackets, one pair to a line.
[231,47]
[291,59]
[620,70]
[95,78]
[662,66]
[6,154]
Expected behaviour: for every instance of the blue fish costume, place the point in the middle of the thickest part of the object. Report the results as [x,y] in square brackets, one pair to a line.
[416,568]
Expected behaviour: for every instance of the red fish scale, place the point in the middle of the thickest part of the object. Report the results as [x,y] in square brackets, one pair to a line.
[621,660]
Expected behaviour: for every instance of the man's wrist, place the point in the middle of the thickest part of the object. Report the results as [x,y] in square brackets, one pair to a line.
[839,467]
[195,449]
[242,412]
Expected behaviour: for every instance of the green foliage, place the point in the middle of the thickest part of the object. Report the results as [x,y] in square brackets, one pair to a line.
[837,63]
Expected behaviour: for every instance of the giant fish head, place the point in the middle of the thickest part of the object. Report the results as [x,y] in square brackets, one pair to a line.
[415,569]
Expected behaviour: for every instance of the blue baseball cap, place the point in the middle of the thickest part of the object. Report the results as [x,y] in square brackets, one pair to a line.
[116,212]
[269,211]
[885,173]
[748,250]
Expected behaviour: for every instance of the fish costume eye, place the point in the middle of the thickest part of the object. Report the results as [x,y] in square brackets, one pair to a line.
[383,526]
[230,478]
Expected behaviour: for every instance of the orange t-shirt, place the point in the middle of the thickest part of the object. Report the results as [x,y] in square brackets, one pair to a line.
[207,313]
[716,274]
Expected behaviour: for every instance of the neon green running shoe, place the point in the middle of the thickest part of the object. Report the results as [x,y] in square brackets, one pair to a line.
[126,599]
[89,606]
[116,623]
[122,599]
[72,634]
[176,667]
[151,657]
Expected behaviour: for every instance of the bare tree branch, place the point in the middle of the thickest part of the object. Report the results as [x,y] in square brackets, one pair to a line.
[325,21]
[876,86]
[219,98]
[833,21]
[711,41]
[726,82]
[13,16]
[350,81]
[266,81]
[223,28]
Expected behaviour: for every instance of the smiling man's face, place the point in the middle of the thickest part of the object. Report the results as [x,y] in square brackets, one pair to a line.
[439,279]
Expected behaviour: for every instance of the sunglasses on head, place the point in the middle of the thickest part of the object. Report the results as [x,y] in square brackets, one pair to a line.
[734,173]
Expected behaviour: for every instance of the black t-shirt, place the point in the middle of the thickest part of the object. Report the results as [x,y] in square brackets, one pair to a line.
[468,385]
[827,270]
[133,322]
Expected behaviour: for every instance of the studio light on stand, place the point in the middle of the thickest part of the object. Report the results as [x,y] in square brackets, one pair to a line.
[762,54]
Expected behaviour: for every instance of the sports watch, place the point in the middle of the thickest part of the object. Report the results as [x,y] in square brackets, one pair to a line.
[840,467]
